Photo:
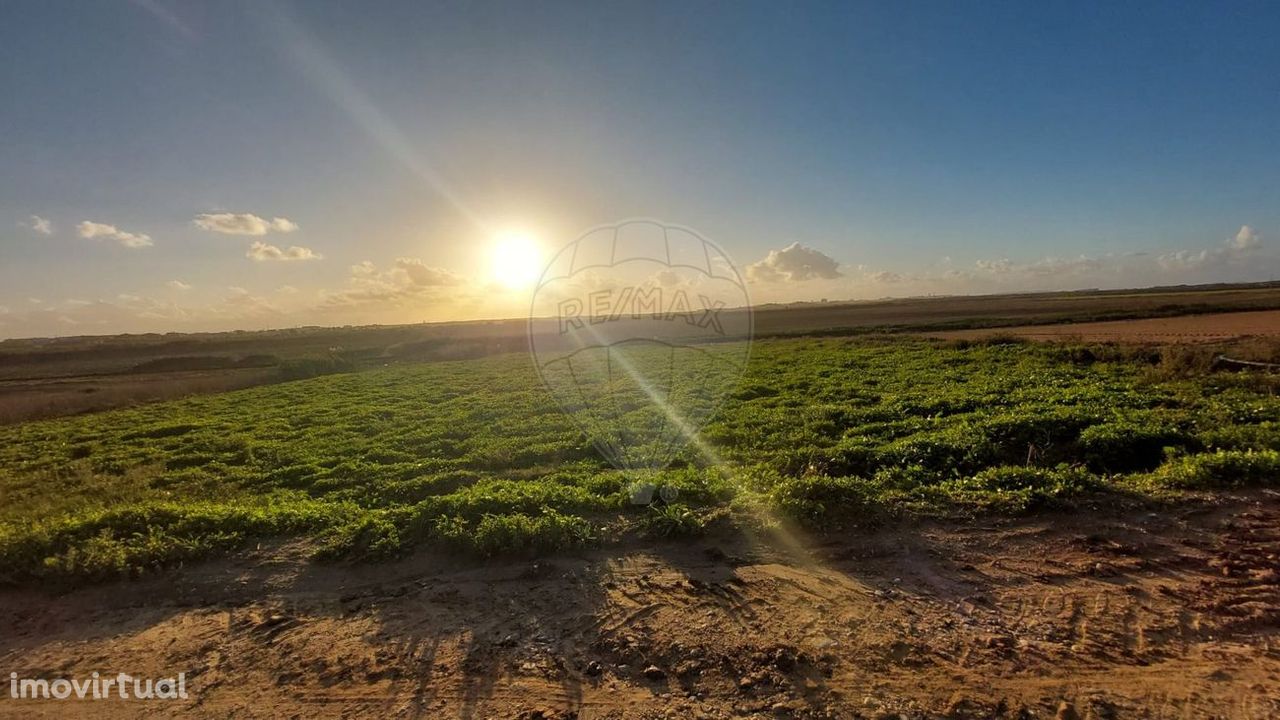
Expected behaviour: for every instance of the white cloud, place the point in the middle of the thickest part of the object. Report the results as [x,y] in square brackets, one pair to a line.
[794,263]
[244,305]
[1246,239]
[177,285]
[1024,275]
[993,275]
[284,225]
[887,276]
[39,225]
[1003,266]
[261,251]
[1244,244]
[410,282]
[421,274]
[1052,266]
[243,224]
[95,230]
[1187,259]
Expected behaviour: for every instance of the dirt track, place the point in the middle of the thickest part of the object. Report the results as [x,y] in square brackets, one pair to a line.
[1185,329]
[1110,613]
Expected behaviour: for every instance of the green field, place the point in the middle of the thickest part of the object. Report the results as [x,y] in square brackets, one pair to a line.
[475,454]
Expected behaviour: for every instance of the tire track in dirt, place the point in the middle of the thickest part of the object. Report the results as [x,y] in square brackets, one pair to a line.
[1117,613]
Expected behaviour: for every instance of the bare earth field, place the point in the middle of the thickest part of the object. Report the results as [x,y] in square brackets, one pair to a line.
[1118,612]
[1185,329]
[963,312]
[33,398]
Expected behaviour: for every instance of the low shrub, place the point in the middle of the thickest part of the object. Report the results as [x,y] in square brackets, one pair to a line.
[951,452]
[133,540]
[1021,488]
[825,502]
[676,520]
[546,532]
[1222,469]
[370,536]
[303,368]
[1263,436]
[1128,446]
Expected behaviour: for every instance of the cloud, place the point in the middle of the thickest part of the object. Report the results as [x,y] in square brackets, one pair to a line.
[166,15]
[244,305]
[243,224]
[794,263]
[38,224]
[1052,266]
[423,275]
[669,278]
[1043,268]
[1244,244]
[1003,266]
[1187,259]
[1246,239]
[95,230]
[261,251]
[984,275]
[408,283]
[177,285]
[886,276]
[364,270]
[406,273]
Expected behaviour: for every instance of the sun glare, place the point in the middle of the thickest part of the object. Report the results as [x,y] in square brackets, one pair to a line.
[516,260]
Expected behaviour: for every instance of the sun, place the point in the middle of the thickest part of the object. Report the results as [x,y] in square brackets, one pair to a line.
[515,261]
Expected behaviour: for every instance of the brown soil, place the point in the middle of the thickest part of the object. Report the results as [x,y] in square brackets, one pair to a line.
[1112,612]
[38,398]
[1186,329]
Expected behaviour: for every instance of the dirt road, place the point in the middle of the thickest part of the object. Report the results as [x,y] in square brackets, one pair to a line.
[1188,328]
[1114,612]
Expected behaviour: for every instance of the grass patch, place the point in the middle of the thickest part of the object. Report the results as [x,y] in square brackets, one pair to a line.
[1223,469]
[474,455]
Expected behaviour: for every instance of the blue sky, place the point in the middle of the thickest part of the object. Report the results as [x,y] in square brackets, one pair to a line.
[844,150]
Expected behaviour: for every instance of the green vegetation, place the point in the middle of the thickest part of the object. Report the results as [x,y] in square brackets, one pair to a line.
[475,455]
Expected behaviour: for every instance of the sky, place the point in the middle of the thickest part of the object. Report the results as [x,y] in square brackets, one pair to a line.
[184,166]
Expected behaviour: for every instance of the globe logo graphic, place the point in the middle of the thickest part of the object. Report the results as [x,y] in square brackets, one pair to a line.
[640,330]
